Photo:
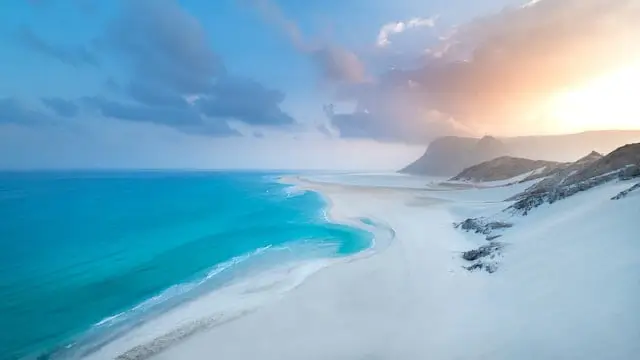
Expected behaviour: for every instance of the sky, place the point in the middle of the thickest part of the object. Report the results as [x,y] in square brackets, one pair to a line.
[289,84]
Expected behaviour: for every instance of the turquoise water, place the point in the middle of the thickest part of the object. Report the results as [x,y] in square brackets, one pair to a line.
[84,248]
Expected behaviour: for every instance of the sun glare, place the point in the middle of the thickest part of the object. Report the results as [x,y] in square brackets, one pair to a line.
[608,102]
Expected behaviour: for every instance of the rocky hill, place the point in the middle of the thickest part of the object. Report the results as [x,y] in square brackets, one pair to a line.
[626,156]
[591,171]
[506,167]
[448,156]
[560,174]
[591,157]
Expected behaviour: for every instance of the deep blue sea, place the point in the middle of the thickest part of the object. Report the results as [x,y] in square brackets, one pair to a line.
[93,252]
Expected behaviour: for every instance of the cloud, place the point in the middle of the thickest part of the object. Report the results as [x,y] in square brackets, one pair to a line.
[61,107]
[274,15]
[184,119]
[334,63]
[155,95]
[245,100]
[177,79]
[339,65]
[134,112]
[496,71]
[13,112]
[165,45]
[389,115]
[401,26]
[530,3]
[76,56]
[513,60]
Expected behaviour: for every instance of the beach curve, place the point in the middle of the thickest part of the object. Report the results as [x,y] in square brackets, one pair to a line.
[248,293]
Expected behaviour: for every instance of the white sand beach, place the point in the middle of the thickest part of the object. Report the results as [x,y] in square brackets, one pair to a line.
[565,288]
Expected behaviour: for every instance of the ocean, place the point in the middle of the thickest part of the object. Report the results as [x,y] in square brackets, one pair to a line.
[84,256]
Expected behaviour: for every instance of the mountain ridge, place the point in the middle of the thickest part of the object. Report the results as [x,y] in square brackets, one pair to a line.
[448,156]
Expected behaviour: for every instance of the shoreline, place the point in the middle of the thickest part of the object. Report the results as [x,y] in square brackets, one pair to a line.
[347,202]
[376,226]
[149,343]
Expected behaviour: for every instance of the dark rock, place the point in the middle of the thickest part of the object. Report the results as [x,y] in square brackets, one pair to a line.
[490,268]
[482,251]
[495,225]
[493,237]
[528,203]
[481,226]
[476,225]
[474,267]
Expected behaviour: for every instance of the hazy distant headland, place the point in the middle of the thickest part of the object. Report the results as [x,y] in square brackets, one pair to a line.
[448,156]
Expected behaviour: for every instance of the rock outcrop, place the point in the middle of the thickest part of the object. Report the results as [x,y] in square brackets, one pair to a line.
[482,251]
[483,226]
[484,258]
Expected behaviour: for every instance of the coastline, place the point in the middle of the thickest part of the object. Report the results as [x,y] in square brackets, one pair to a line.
[413,299]
[357,303]
[382,233]
[247,293]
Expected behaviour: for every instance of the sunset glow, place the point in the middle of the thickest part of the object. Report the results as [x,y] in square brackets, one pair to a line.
[607,102]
